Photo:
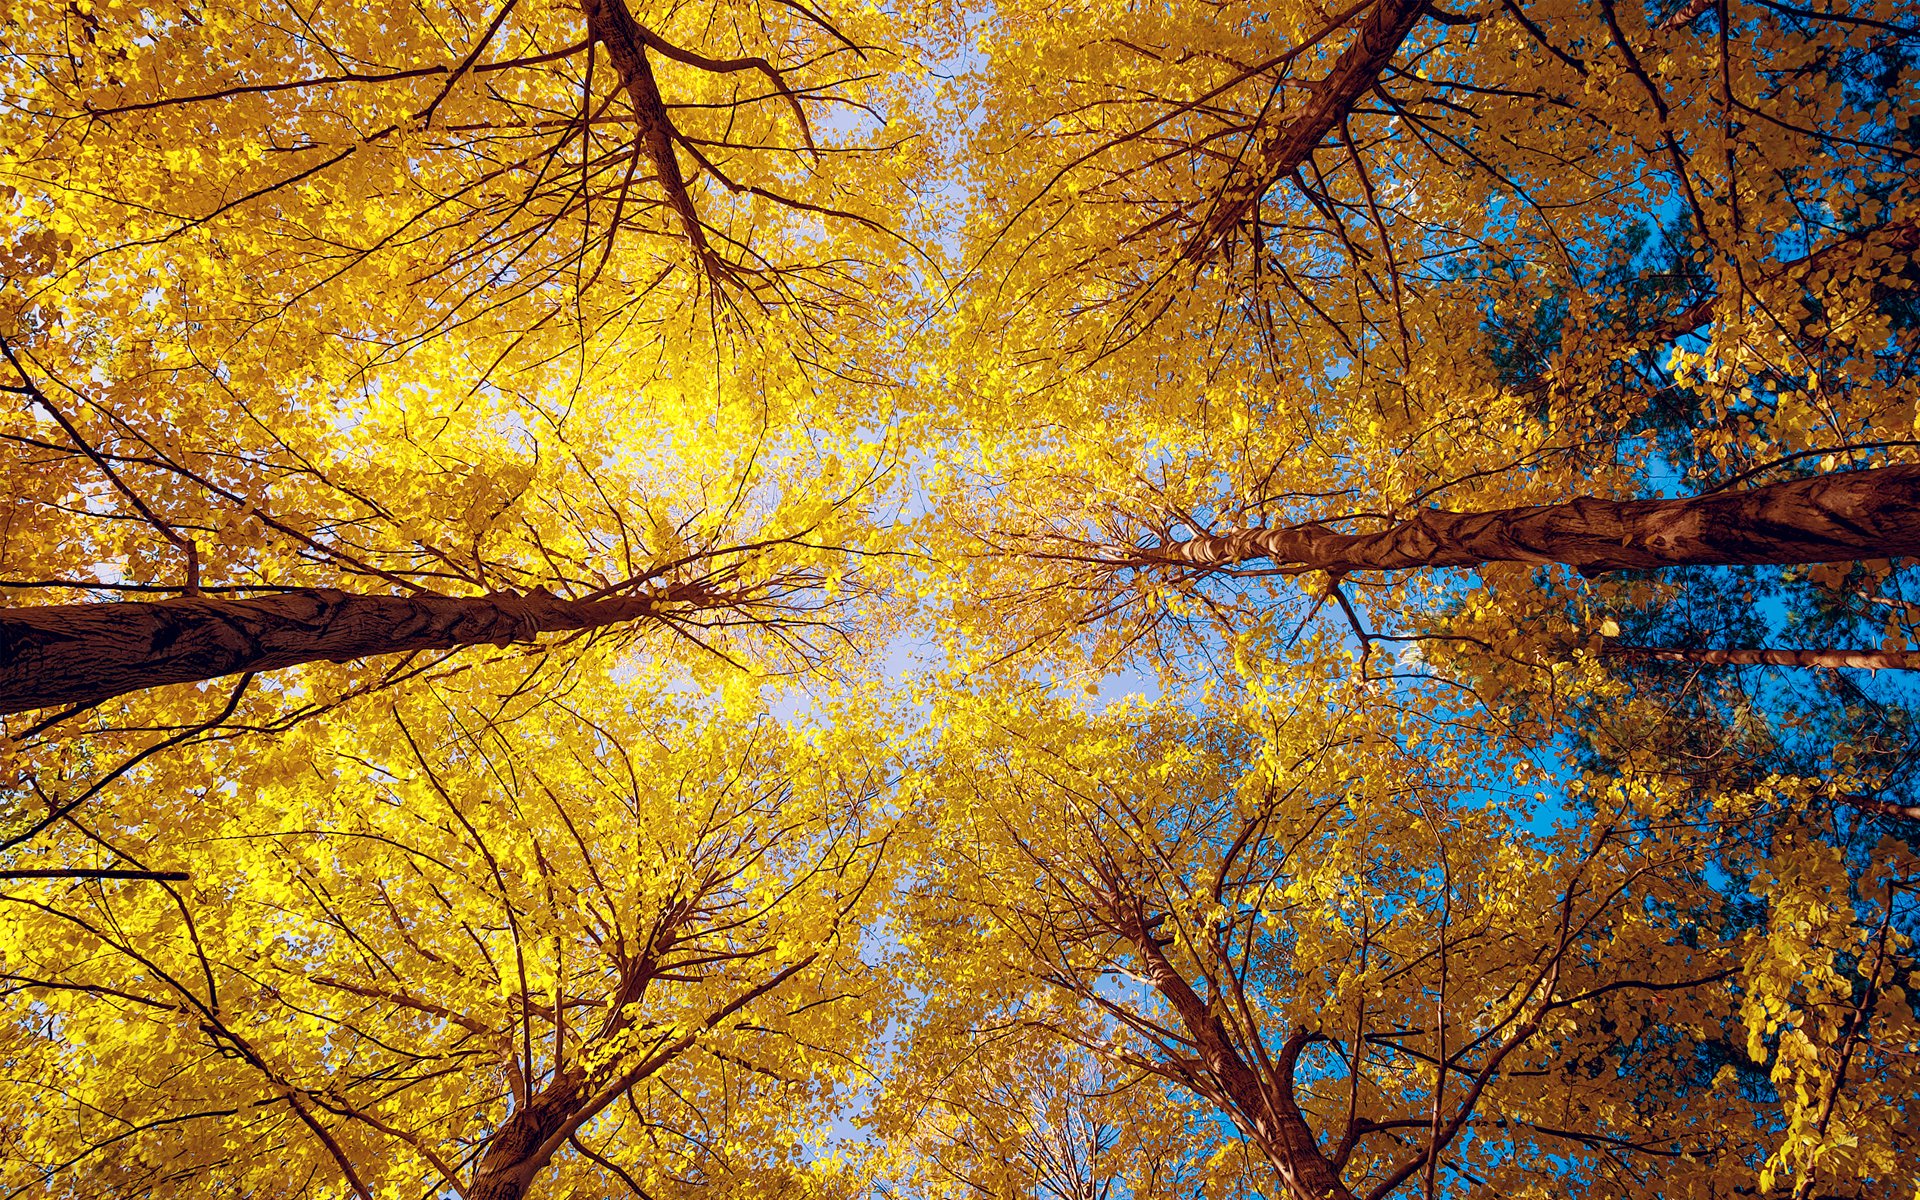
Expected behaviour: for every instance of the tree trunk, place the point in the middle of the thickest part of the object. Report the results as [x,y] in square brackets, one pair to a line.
[1864,660]
[611,24]
[86,653]
[1269,1115]
[1331,99]
[512,1157]
[1839,517]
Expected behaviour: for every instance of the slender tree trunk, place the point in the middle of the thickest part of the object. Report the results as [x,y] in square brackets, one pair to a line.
[1830,518]
[612,25]
[1884,808]
[1269,1115]
[85,653]
[1865,660]
[1283,151]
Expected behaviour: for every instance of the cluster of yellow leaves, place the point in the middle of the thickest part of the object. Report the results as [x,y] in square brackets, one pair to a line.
[1826,1009]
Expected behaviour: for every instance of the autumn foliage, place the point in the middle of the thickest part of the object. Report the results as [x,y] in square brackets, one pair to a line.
[791,598]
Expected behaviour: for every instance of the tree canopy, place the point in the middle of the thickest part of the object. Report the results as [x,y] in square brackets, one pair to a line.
[1082,601]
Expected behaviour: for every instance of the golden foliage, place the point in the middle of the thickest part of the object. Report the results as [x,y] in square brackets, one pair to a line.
[912,744]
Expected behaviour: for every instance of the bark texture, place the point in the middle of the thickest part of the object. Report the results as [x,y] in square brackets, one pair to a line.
[1283,152]
[1839,517]
[1865,660]
[1269,1115]
[612,24]
[85,653]
[521,1147]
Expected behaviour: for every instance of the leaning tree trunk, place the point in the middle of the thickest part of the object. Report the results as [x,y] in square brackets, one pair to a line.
[611,23]
[1829,518]
[1329,100]
[1862,660]
[85,653]
[1265,1109]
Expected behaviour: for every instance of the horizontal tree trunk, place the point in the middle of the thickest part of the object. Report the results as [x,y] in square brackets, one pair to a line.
[1865,660]
[86,653]
[1830,518]
[92,873]
[1884,808]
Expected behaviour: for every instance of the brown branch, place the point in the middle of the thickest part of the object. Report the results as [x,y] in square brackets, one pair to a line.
[1897,235]
[348,77]
[91,873]
[333,1147]
[1685,15]
[185,545]
[64,811]
[405,1000]
[726,66]
[1879,807]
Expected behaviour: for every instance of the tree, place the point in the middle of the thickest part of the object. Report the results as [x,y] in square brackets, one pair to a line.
[362,209]
[1374,979]
[487,162]
[630,962]
[1353,363]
